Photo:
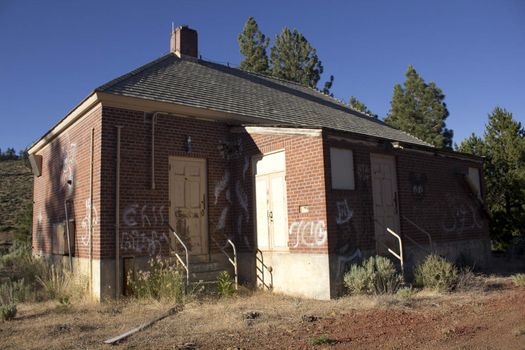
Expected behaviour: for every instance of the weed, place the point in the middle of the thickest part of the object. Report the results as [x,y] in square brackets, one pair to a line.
[7,312]
[436,273]
[323,340]
[467,280]
[518,279]
[377,275]
[13,291]
[161,282]
[225,285]
[55,283]
[406,292]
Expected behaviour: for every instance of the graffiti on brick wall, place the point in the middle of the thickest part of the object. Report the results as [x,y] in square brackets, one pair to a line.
[222,185]
[417,184]
[363,175]
[139,235]
[344,213]
[231,150]
[346,250]
[143,216]
[460,215]
[69,162]
[88,222]
[307,233]
[141,242]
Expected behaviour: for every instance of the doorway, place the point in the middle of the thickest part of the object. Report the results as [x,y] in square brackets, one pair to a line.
[188,203]
[385,201]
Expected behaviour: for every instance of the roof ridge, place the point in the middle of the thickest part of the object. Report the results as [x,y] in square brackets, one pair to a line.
[133,72]
[336,100]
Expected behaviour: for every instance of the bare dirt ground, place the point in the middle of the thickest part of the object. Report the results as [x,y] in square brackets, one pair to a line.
[494,319]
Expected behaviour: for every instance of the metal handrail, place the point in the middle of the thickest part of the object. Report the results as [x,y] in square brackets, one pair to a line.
[187,264]
[261,270]
[232,261]
[400,255]
[422,230]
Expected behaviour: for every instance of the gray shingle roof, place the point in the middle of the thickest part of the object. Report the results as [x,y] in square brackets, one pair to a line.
[199,83]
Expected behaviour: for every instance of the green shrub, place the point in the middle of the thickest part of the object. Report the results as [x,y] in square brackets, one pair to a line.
[225,284]
[161,282]
[13,291]
[436,273]
[519,279]
[20,264]
[323,340]
[7,312]
[377,275]
[406,292]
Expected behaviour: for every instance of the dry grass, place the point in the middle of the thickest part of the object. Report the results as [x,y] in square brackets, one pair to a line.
[85,324]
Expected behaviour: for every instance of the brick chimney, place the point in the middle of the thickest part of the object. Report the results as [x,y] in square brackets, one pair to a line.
[183,42]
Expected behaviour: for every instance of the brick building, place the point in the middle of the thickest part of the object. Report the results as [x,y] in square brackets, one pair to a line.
[300,184]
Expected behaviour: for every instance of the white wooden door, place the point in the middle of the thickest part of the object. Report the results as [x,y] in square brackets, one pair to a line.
[270,202]
[188,206]
[384,190]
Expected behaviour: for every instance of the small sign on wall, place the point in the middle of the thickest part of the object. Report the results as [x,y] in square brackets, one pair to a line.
[303,209]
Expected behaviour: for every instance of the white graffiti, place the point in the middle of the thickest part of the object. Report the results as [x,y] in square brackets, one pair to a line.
[344,213]
[140,242]
[129,215]
[137,236]
[363,174]
[308,233]
[88,222]
[243,199]
[221,185]
[222,219]
[245,167]
[460,216]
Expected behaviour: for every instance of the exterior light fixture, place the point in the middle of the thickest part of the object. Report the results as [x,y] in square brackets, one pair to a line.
[188,144]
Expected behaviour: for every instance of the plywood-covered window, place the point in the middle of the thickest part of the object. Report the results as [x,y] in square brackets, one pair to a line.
[342,165]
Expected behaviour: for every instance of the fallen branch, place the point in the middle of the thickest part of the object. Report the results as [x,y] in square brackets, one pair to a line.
[143,326]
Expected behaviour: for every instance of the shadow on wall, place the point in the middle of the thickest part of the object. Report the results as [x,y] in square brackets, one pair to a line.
[61,169]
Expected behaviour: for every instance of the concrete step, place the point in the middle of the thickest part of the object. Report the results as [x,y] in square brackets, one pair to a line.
[207,276]
[204,267]
[208,272]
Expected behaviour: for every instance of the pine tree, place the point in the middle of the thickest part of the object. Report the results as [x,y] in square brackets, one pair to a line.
[253,44]
[360,106]
[293,58]
[418,109]
[503,147]
[328,85]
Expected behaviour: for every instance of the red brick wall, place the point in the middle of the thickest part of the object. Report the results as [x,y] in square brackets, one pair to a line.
[65,158]
[144,215]
[430,190]
[305,187]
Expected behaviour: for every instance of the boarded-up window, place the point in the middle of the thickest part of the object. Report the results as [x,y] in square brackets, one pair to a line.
[342,165]
[474,181]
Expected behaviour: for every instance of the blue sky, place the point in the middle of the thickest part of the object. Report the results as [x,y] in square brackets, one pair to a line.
[54,53]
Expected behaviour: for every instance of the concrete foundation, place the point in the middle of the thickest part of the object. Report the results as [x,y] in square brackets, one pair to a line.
[296,274]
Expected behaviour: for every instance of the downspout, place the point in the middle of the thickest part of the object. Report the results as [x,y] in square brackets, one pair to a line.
[91,214]
[153,122]
[117,219]
[70,257]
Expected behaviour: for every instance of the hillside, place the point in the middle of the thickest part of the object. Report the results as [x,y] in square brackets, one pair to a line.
[16,192]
